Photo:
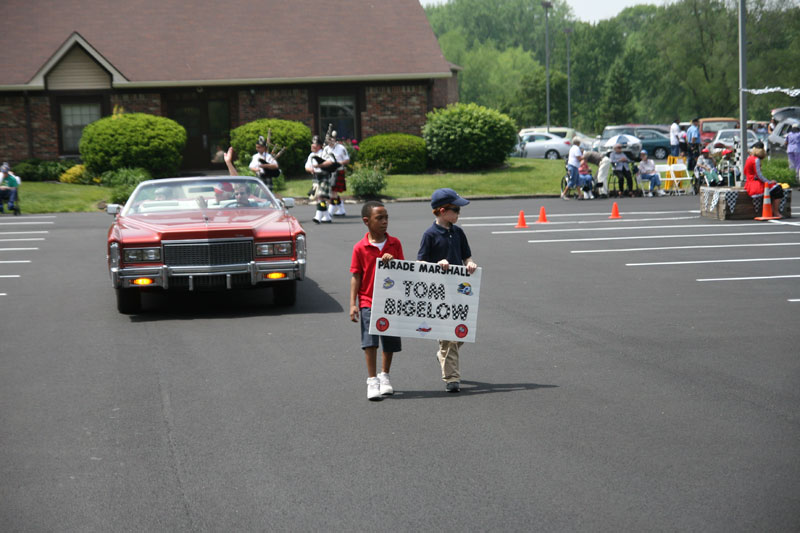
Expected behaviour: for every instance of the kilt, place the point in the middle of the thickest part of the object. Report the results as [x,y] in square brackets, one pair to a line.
[323,182]
[339,184]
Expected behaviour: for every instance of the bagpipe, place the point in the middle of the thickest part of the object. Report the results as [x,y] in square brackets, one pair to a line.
[275,151]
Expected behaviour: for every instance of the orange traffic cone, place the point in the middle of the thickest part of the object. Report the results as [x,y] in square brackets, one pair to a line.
[542,216]
[766,211]
[615,211]
[521,222]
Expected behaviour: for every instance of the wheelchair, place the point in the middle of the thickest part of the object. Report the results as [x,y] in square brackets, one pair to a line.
[577,192]
[4,200]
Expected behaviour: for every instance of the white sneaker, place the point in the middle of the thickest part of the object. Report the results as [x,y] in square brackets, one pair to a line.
[585,195]
[661,193]
[386,385]
[591,195]
[374,390]
[648,194]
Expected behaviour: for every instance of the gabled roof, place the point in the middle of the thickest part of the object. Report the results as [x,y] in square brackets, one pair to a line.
[151,43]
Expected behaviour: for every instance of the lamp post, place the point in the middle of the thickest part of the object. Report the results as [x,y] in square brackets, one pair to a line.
[567,31]
[546,6]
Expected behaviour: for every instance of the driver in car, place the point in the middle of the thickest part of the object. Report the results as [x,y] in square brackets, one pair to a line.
[242,197]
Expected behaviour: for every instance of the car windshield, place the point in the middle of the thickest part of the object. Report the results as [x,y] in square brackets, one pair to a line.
[713,127]
[610,132]
[160,196]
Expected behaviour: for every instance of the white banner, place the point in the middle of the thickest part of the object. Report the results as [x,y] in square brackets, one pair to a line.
[416,299]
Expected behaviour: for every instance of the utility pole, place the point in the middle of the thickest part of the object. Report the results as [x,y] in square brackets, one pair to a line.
[547,6]
[742,87]
[567,31]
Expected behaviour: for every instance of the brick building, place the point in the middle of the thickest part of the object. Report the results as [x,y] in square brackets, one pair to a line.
[367,67]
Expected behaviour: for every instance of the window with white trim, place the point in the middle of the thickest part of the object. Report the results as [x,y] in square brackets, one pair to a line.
[75,117]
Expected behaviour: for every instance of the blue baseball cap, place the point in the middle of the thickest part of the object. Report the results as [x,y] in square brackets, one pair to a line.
[442,197]
[644,152]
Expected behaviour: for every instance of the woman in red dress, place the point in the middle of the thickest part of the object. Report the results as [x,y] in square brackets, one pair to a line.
[755,182]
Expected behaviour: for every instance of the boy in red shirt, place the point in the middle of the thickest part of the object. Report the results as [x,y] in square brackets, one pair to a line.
[375,244]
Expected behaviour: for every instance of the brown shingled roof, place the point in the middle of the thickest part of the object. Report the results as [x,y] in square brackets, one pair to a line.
[168,42]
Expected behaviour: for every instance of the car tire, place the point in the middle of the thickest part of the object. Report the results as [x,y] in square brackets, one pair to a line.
[551,154]
[660,153]
[129,301]
[284,294]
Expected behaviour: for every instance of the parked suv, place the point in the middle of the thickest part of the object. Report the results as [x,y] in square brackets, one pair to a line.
[783,113]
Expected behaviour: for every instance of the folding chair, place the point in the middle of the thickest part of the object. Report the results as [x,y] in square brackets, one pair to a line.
[676,176]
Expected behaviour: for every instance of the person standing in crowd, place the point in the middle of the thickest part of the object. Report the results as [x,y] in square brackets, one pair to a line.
[574,159]
[647,172]
[446,244]
[377,243]
[771,126]
[756,184]
[263,164]
[674,138]
[793,150]
[693,142]
[620,164]
[338,177]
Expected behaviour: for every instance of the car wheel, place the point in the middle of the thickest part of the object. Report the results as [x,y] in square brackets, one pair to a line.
[129,301]
[551,154]
[284,294]
[660,153]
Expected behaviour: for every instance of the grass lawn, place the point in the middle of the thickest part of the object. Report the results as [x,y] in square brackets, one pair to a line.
[52,197]
[520,176]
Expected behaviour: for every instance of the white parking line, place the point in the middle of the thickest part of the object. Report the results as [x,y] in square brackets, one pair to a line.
[9,276]
[715,261]
[24,232]
[783,223]
[3,294]
[14,262]
[613,250]
[638,237]
[25,239]
[750,278]
[679,226]
[16,249]
[604,213]
[616,221]
[24,223]
[793,300]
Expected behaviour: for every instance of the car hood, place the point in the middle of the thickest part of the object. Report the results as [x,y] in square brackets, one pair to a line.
[207,224]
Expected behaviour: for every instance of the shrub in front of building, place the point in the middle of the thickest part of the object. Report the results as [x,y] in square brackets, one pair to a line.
[405,154]
[77,175]
[294,136]
[468,136]
[367,180]
[133,140]
[38,170]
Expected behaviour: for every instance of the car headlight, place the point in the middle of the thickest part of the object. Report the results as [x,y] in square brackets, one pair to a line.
[113,255]
[142,255]
[301,247]
[273,248]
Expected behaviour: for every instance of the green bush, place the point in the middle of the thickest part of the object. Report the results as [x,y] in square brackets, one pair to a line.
[38,170]
[77,174]
[468,136]
[123,181]
[295,136]
[367,179]
[133,140]
[778,170]
[405,153]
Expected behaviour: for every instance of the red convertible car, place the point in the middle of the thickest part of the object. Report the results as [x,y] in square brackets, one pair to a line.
[207,233]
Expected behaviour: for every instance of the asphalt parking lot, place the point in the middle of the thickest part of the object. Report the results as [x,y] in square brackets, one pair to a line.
[630,374]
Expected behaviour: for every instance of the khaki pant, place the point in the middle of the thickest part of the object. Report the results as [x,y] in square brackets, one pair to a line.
[448,359]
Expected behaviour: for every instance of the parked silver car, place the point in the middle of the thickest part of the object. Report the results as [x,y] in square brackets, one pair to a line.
[547,145]
[724,139]
[777,139]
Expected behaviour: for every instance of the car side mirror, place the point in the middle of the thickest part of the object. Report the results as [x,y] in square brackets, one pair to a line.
[113,209]
[288,203]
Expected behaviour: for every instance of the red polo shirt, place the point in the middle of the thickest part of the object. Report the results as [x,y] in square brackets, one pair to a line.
[364,255]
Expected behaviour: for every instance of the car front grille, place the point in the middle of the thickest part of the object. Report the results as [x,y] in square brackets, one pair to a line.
[201,283]
[208,253]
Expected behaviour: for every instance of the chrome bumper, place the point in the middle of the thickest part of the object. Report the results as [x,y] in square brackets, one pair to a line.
[122,278]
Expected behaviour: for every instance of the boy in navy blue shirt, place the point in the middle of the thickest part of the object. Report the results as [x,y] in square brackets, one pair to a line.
[446,244]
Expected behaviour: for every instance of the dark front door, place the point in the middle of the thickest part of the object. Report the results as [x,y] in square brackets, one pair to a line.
[207,123]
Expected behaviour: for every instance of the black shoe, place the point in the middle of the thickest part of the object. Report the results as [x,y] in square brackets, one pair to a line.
[453,386]
[315,221]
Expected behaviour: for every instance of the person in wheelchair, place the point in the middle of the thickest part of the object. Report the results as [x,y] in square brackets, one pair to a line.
[8,189]
[727,168]
[586,180]
[706,170]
